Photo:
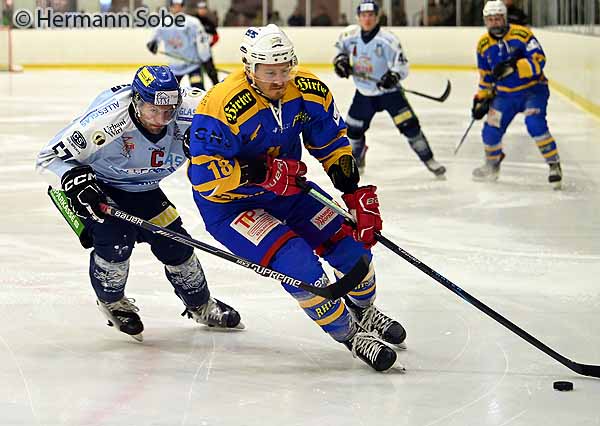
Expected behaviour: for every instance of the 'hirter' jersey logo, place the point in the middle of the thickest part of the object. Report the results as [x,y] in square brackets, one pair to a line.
[310,85]
[238,105]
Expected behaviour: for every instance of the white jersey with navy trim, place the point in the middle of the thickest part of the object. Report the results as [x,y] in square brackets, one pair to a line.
[106,138]
[375,58]
[191,43]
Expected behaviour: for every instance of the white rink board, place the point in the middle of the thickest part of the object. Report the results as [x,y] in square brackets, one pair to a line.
[530,253]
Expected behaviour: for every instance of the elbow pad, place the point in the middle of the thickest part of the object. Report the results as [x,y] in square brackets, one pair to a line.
[344,174]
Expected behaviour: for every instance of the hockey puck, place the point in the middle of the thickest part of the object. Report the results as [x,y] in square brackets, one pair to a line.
[563,386]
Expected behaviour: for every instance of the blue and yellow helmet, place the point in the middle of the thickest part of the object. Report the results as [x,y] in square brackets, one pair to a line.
[156,85]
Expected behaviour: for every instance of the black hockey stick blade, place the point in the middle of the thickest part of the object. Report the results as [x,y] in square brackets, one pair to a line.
[586,369]
[441,98]
[332,291]
[583,369]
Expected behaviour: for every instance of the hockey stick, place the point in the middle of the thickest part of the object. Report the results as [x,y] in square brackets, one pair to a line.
[333,291]
[189,61]
[583,369]
[440,98]
[458,145]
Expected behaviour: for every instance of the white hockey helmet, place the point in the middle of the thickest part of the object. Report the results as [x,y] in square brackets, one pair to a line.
[266,45]
[494,7]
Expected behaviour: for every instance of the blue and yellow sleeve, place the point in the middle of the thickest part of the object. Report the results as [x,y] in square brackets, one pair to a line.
[486,81]
[213,169]
[532,63]
[325,137]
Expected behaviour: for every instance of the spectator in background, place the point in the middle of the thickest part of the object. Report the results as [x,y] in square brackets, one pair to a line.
[321,19]
[275,18]
[398,14]
[383,19]
[343,21]
[439,13]
[232,18]
[514,14]
[296,19]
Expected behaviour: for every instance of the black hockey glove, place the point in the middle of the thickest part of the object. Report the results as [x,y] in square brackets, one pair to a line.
[152,46]
[341,66]
[83,192]
[480,108]
[389,80]
[504,69]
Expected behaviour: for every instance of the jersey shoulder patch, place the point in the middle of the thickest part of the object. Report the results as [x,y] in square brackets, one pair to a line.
[308,83]
[191,97]
[484,42]
[388,36]
[520,32]
[229,100]
[350,31]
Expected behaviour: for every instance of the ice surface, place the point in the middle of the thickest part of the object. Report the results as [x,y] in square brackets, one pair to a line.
[530,253]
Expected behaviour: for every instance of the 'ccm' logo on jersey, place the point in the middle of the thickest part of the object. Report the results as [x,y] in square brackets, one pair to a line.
[238,105]
[310,85]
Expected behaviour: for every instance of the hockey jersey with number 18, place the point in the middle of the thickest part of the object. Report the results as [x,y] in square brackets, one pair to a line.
[234,122]
[122,153]
[374,58]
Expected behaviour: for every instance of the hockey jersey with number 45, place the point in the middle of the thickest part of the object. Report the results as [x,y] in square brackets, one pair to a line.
[374,58]
[519,43]
[122,155]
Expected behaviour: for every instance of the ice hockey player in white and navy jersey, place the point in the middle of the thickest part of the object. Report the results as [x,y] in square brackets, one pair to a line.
[375,60]
[117,152]
[188,48]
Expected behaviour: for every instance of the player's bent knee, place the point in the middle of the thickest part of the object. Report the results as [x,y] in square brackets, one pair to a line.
[536,124]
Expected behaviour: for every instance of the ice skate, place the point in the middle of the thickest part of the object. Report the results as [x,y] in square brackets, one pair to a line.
[489,172]
[371,350]
[122,315]
[555,176]
[215,313]
[372,320]
[436,168]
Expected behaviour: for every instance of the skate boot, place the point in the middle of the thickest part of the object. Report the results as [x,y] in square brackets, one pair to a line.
[555,176]
[489,172]
[372,320]
[122,315]
[371,350]
[436,168]
[215,313]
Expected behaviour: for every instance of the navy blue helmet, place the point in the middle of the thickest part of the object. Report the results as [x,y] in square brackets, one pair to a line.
[367,6]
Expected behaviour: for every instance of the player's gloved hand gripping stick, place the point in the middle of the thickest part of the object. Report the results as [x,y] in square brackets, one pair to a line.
[583,369]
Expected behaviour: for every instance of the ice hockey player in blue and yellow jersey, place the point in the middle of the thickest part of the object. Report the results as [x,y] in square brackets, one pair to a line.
[117,152]
[246,146]
[511,68]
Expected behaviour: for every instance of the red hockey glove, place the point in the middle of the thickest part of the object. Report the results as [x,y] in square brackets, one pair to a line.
[282,174]
[364,206]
